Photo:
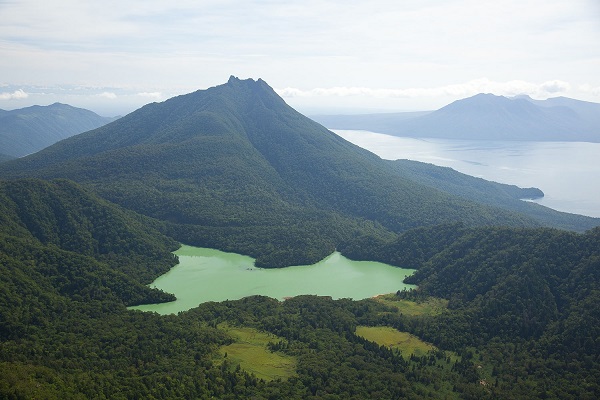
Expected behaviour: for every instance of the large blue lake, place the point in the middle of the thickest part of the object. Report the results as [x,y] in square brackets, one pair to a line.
[567,172]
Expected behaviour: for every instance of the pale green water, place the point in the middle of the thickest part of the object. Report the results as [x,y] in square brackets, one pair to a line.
[211,275]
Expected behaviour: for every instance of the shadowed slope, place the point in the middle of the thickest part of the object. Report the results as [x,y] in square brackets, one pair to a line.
[27,130]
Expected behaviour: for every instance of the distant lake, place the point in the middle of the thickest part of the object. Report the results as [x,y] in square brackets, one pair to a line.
[204,275]
[567,172]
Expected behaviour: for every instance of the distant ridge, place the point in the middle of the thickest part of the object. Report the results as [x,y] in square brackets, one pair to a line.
[235,168]
[488,117]
[4,157]
[27,130]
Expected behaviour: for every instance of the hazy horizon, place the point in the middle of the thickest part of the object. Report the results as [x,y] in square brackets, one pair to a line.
[320,56]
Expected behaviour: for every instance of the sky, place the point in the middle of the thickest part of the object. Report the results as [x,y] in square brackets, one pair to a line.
[348,56]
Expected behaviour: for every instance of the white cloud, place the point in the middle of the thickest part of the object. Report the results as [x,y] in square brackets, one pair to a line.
[484,85]
[16,95]
[151,95]
[587,88]
[108,95]
[345,50]
[555,86]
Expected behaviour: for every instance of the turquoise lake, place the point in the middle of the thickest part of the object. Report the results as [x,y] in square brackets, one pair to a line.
[204,275]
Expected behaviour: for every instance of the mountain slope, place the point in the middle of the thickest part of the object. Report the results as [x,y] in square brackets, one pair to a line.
[525,301]
[5,157]
[589,112]
[27,130]
[60,216]
[507,287]
[489,117]
[495,194]
[236,168]
[486,116]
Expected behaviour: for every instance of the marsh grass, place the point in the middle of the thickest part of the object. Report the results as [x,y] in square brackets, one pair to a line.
[405,342]
[431,306]
[250,351]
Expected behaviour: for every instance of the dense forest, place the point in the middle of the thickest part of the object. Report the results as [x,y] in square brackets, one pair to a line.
[4,157]
[526,295]
[234,167]
[521,319]
[507,304]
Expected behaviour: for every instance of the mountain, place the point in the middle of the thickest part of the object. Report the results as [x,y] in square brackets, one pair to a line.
[516,313]
[4,157]
[27,130]
[488,117]
[104,242]
[235,168]
[587,111]
[485,192]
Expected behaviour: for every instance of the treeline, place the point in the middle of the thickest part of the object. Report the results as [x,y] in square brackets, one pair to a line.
[67,216]
[523,314]
[527,298]
[65,332]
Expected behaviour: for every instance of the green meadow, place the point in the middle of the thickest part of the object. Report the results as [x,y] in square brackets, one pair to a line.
[405,342]
[250,351]
[430,306]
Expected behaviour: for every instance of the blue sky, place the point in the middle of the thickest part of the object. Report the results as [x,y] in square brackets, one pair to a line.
[321,56]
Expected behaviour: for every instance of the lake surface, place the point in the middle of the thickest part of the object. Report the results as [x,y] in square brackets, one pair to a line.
[567,172]
[211,275]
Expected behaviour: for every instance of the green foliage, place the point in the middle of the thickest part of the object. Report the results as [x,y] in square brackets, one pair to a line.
[522,305]
[235,168]
[332,360]
[533,291]
[257,352]
[495,194]
[62,214]
[5,157]
[406,343]
[258,178]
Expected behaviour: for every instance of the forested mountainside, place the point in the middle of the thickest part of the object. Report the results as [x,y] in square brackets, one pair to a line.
[27,130]
[504,311]
[528,298]
[234,167]
[109,243]
[495,194]
[486,117]
[5,157]
[521,319]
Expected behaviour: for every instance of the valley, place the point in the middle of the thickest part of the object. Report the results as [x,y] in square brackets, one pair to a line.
[288,200]
[501,291]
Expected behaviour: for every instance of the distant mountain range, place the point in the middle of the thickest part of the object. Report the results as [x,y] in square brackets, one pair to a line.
[486,117]
[235,168]
[27,130]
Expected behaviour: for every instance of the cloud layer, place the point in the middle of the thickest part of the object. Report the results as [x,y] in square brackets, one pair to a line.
[510,88]
[313,49]
[16,95]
